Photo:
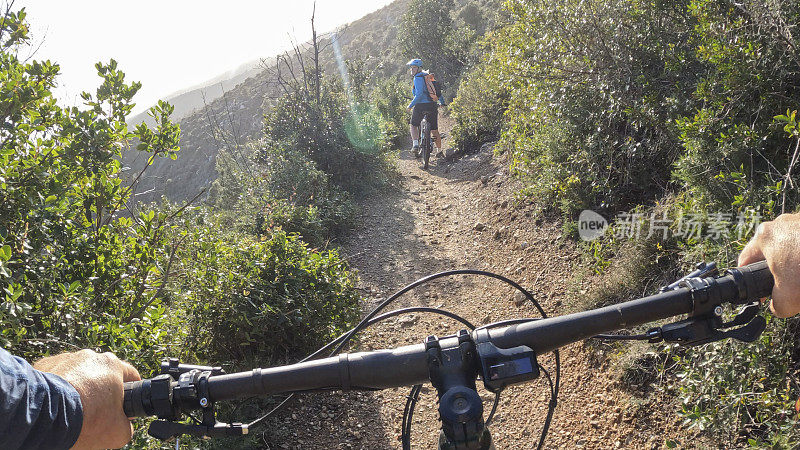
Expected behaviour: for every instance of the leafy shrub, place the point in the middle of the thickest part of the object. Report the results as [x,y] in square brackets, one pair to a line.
[740,392]
[318,130]
[589,118]
[281,188]
[426,31]
[479,107]
[263,300]
[735,153]
[391,97]
[73,272]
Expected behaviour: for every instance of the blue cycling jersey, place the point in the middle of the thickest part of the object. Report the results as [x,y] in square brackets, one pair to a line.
[38,410]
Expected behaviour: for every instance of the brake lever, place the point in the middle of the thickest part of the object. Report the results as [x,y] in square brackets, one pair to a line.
[702,330]
[749,332]
[745,316]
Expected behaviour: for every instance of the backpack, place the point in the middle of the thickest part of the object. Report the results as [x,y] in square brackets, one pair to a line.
[434,87]
[437,89]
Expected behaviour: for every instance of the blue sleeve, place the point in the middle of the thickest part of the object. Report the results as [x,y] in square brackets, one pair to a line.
[417,91]
[37,409]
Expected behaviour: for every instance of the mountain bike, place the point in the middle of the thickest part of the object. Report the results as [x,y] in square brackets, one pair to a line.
[498,354]
[426,143]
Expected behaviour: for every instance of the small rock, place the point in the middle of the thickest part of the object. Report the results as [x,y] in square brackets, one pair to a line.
[524,245]
[484,179]
[479,226]
[504,204]
[445,207]
[407,321]
[498,234]
[519,298]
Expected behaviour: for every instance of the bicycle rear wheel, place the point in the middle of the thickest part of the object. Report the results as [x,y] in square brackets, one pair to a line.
[425,129]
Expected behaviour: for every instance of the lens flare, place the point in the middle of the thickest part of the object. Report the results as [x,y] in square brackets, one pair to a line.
[363,124]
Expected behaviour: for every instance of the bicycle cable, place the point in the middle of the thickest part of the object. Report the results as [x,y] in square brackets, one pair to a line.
[375,320]
[372,318]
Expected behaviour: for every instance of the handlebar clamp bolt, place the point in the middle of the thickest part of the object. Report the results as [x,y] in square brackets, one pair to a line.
[203,402]
[718,310]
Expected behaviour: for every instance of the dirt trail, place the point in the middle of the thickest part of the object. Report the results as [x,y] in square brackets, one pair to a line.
[462,213]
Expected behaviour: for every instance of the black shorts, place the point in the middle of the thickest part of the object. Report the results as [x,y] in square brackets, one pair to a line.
[420,109]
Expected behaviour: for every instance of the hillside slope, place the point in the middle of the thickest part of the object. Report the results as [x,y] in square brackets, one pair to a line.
[237,115]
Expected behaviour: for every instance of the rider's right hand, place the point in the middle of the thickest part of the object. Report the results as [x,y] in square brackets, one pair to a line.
[778,242]
[98,378]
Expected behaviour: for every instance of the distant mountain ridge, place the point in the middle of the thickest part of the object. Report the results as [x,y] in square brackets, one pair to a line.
[194,98]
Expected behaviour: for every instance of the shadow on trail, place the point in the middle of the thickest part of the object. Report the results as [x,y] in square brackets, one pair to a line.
[466,166]
[396,244]
[399,241]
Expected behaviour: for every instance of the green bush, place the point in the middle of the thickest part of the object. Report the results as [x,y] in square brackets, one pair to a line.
[72,272]
[281,188]
[263,301]
[590,119]
[426,31]
[479,107]
[735,154]
[740,392]
[391,98]
[318,130]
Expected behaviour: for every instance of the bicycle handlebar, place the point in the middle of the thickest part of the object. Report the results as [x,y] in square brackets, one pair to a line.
[740,286]
[409,365]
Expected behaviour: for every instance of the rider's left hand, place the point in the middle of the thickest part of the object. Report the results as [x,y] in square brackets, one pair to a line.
[98,378]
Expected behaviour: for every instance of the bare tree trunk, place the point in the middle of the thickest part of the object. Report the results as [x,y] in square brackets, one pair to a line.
[316,57]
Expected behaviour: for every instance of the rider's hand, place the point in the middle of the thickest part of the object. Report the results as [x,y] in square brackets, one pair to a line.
[98,379]
[778,242]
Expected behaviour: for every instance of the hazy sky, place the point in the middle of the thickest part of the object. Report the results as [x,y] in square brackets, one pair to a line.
[170,45]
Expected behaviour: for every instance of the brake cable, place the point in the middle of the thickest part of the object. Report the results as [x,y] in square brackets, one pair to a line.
[341,337]
[371,319]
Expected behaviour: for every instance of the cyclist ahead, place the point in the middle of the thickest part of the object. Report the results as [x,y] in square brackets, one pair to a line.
[423,102]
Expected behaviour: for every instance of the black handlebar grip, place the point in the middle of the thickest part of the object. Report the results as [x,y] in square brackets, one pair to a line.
[757,281]
[132,399]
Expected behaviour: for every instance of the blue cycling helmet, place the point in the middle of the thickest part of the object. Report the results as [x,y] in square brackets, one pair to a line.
[415,62]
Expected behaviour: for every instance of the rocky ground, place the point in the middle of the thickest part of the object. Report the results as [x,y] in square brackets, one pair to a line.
[463,213]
